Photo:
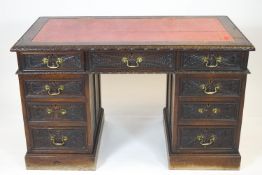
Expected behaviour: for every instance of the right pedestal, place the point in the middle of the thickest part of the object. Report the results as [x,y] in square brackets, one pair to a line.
[202,120]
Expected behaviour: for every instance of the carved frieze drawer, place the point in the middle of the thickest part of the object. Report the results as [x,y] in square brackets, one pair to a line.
[206,138]
[137,61]
[214,61]
[210,87]
[51,61]
[54,88]
[209,110]
[58,139]
[39,111]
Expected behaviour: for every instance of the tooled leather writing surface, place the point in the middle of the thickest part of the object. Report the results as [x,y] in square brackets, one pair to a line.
[202,29]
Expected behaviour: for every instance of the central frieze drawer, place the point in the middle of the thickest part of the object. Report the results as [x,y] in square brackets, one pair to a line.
[210,87]
[39,111]
[206,138]
[58,139]
[54,88]
[141,61]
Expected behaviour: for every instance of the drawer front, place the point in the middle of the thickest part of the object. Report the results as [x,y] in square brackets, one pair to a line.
[210,87]
[54,88]
[206,138]
[56,111]
[52,61]
[228,61]
[209,110]
[132,61]
[59,139]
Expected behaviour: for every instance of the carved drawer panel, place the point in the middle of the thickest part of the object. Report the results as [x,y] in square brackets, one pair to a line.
[122,61]
[209,110]
[206,138]
[54,88]
[59,139]
[210,87]
[228,61]
[51,62]
[56,111]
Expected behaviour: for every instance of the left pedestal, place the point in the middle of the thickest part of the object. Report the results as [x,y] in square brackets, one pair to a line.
[63,117]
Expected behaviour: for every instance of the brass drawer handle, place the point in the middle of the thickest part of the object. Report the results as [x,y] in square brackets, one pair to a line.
[207,91]
[61,111]
[54,65]
[204,141]
[58,142]
[59,90]
[138,61]
[207,63]
[203,110]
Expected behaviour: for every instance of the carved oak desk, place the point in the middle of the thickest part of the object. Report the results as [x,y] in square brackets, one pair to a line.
[60,61]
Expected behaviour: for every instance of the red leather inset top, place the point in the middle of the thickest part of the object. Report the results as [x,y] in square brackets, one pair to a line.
[133,30]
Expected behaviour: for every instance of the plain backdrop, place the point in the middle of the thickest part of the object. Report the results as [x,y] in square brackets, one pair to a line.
[133,137]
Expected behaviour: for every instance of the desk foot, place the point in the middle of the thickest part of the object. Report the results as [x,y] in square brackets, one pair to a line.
[199,161]
[67,161]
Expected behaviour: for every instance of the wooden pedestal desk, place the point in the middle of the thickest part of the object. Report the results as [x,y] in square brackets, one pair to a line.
[60,61]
